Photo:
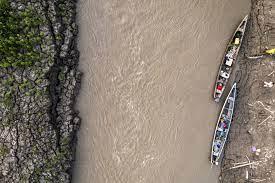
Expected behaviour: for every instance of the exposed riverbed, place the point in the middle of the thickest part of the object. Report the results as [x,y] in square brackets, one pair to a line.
[146,97]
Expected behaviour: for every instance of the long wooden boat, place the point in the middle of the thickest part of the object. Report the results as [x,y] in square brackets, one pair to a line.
[223,126]
[229,59]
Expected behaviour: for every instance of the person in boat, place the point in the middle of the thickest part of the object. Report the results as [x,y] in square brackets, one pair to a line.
[228,61]
[238,34]
[221,79]
[223,124]
[214,158]
[229,55]
[220,133]
[225,117]
[217,147]
[224,74]
[219,87]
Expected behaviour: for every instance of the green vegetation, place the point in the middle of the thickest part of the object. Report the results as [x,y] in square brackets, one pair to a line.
[9,81]
[24,85]
[8,99]
[19,36]
[4,150]
[61,76]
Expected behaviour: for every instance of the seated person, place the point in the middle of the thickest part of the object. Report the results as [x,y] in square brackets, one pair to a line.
[219,87]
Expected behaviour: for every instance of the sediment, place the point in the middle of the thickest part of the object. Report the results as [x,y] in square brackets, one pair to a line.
[38,121]
[253,123]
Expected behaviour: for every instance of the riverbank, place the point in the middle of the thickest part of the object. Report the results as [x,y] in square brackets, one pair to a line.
[251,139]
[39,83]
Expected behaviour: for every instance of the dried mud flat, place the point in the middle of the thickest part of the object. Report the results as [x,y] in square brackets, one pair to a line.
[253,123]
[38,122]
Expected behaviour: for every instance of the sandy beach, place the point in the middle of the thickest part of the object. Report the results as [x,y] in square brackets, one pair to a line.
[146,95]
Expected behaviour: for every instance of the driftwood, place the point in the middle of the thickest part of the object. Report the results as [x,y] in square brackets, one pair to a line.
[240,163]
[270,73]
[255,56]
[257,180]
[244,165]
[264,120]
[260,102]
[246,174]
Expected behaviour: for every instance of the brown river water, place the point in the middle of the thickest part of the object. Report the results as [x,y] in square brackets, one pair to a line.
[146,97]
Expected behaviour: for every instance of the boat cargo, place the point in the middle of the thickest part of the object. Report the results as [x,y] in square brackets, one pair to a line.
[229,59]
[223,126]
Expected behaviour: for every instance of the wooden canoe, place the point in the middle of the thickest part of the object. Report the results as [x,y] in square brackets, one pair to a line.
[229,59]
[223,126]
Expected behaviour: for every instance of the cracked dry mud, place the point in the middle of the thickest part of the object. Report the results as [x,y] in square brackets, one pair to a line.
[37,130]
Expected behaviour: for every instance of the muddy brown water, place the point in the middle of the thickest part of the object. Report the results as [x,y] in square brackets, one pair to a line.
[146,97]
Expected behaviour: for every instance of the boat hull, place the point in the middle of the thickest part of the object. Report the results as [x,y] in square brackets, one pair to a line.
[223,126]
[229,60]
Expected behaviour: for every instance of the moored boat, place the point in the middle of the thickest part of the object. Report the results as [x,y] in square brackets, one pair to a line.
[223,126]
[229,59]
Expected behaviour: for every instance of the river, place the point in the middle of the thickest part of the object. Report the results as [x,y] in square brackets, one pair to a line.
[146,96]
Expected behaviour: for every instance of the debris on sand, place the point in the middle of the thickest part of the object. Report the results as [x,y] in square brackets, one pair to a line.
[250,152]
[268,84]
